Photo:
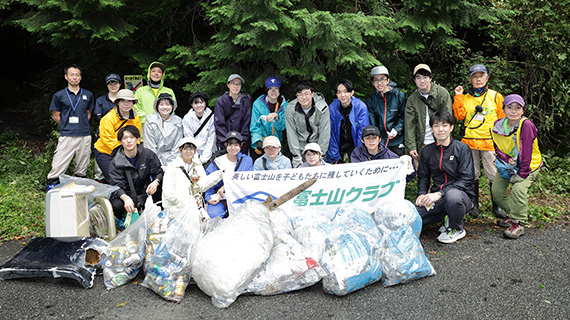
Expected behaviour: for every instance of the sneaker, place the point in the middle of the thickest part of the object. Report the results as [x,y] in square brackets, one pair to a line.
[514,231]
[445,225]
[451,235]
[506,222]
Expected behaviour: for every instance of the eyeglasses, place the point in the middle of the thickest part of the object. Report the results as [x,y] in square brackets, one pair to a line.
[421,78]
[188,148]
[235,84]
[304,95]
[270,148]
[376,80]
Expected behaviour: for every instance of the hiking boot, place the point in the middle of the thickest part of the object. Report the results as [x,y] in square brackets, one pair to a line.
[498,211]
[445,225]
[514,231]
[474,212]
[451,235]
[506,222]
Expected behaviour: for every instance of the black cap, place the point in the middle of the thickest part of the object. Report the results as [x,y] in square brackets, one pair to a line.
[233,135]
[370,130]
[196,95]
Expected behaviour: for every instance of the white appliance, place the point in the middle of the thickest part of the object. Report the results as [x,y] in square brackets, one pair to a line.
[67,213]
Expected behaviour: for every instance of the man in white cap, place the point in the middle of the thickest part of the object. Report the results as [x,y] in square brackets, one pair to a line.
[149,93]
[386,107]
[232,112]
[313,156]
[71,108]
[272,159]
[422,103]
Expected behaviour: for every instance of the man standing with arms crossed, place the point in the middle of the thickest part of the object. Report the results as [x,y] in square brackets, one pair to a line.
[71,108]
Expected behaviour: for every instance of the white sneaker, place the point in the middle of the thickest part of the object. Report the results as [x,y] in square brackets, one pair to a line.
[451,235]
[445,225]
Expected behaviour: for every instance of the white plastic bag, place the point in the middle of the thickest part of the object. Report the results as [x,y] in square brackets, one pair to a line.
[290,266]
[225,260]
[402,255]
[311,231]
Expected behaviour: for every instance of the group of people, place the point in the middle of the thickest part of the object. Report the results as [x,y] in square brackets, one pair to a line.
[143,147]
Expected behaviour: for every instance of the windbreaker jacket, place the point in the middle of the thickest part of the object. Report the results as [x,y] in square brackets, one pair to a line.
[102,106]
[478,125]
[415,120]
[521,143]
[306,128]
[260,128]
[110,125]
[176,188]
[149,167]
[281,162]
[360,154]
[230,116]
[359,119]
[146,96]
[206,139]
[218,210]
[163,143]
[387,112]
[448,166]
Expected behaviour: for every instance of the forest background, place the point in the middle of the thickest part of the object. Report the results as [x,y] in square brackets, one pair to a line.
[523,43]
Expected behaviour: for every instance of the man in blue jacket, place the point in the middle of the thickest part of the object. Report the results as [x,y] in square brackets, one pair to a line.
[387,107]
[349,115]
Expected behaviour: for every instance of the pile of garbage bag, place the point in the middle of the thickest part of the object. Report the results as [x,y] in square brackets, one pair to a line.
[264,252]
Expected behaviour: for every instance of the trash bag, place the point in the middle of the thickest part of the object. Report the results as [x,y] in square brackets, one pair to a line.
[290,266]
[402,255]
[351,257]
[168,267]
[125,255]
[225,260]
[311,230]
[70,257]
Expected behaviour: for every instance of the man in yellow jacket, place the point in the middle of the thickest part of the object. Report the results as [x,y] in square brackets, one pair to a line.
[479,108]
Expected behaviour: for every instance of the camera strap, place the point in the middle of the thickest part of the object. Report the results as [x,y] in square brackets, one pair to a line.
[472,117]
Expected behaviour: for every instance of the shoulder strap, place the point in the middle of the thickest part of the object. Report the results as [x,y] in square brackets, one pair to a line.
[264,164]
[185,173]
[203,125]
[132,186]
[122,124]
[238,164]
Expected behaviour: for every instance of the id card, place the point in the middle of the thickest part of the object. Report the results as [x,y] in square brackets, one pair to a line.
[73,119]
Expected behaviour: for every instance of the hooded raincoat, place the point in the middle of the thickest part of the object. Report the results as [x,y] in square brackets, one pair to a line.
[387,112]
[232,116]
[206,138]
[260,129]
[146,96]
[162,136]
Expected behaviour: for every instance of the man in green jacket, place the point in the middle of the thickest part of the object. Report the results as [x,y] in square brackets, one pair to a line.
[147,94]
[421,104]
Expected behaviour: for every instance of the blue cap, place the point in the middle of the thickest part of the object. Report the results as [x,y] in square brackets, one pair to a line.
[112,77]
[272,82]
[477,68]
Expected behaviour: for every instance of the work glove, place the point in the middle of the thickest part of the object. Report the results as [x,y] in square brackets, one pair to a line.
[392,133]
[516,178]
[297,161]
[259,145]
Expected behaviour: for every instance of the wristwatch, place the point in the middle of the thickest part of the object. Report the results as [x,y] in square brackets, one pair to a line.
[440,193]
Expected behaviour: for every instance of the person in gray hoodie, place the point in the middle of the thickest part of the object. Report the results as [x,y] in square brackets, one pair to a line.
[307,120]
[163,129]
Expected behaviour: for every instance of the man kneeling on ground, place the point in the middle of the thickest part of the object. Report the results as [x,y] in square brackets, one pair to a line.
[136,171]
[449,163]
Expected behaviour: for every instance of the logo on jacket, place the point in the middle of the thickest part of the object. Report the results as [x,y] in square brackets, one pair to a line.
[451,157]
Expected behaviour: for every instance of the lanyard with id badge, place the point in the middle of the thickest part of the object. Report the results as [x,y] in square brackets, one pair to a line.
[75,119]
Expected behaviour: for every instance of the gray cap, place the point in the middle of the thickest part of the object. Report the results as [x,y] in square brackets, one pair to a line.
[236,76]
[379,70]
[233,135]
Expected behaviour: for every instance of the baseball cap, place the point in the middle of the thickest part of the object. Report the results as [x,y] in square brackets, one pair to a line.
[477,68]
[112,77]
[511,98]
[379,70]
[186,140]
[370,130]
[158,64]
[271,141]
[421,66]
[236,76]
[272,82]
[233,135]
[312,147]
[198,94]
